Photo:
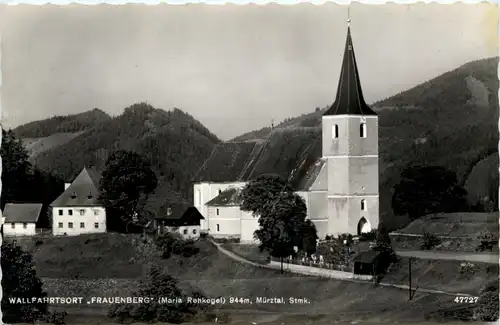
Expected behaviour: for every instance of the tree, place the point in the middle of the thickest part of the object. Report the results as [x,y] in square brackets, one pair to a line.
[282,216]
[126,183]
[309,238]
[15,169]
[19,280]
[383,238]
[425,190]
[156,285]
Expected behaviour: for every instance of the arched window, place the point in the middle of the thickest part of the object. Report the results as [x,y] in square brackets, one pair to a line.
[363,205]
[335,131]
[217,211]
[362,130]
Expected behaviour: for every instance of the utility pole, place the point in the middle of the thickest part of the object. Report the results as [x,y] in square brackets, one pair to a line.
[409,278]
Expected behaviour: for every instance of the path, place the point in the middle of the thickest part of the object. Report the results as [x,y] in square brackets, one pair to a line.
[491,258]
[382,284]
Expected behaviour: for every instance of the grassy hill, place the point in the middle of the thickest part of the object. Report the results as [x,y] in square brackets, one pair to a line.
[174,142]
[110,265]
[482,182]
[449,121]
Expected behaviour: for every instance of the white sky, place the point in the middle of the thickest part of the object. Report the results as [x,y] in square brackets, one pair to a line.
[232,67]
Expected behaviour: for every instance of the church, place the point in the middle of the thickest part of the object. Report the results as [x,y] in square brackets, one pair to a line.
[337,175]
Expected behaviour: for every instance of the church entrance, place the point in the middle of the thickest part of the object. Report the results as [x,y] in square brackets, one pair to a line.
[363,226]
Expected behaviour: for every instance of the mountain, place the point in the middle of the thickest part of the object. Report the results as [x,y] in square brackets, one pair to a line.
[62,124]
[43,135]
[450,120]
[174,143]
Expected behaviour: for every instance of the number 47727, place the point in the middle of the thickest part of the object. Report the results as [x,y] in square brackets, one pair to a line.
[466,300]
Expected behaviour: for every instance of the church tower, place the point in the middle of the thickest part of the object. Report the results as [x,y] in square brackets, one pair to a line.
[350,147]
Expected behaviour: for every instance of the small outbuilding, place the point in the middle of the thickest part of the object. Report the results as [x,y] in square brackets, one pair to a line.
[371,262]
[20,219]
[184,219]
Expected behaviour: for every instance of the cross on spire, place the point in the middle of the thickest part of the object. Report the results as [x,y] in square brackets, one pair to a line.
[348,15]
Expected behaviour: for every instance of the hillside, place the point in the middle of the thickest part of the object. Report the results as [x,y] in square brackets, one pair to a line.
[120,267]
[62,124]
[450,121]
[174,142]
[482,182]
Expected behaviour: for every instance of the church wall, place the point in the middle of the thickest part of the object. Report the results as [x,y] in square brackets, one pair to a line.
[370,212]
[363,175]
[349,141]
[249,223]
[321,227]
[338,212]
[318,207]
[204,192]
[224,221]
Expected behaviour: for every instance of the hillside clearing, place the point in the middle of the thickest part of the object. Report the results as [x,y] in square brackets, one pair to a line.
[35,146]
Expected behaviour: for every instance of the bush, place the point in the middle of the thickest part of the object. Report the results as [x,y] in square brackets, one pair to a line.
[173,243]
[429,241]
[487,241]
[157,284]
[468,268]
[487,309]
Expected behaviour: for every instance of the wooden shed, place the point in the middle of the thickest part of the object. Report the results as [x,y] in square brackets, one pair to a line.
[371,262]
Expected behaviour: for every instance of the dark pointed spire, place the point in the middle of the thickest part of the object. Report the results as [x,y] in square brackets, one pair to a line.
[349,100]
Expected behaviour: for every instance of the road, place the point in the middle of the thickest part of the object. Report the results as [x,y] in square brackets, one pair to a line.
[491,258]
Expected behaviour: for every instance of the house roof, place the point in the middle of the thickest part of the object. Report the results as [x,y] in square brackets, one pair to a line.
[181,214]
[22,212]
[290,153]
[84,191]
[229,197]
[367,256]
[349,99]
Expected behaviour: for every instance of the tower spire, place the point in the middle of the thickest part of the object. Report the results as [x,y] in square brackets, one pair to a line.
[349,99]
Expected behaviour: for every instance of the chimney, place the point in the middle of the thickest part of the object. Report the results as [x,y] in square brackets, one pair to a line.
[66,185]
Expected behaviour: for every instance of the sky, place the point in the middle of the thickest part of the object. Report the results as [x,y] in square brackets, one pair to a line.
[234,68]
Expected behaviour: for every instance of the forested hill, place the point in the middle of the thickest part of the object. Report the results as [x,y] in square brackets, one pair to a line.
[450,120]
[62,124]
[174,142]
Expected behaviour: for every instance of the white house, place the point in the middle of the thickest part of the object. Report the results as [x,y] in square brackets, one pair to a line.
[182,219]
[77,210]
[337,174]
[20,219]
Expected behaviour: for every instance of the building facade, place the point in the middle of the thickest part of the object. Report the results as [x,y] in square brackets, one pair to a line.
[20,219]
[337,178]
[77,210]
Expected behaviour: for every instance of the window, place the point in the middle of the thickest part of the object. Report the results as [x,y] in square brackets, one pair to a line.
[194,231]
[217,211]
[218,228]
[96,212]
[220,191]
[335,131]
[70,212]
[362,130]
[13,225]
[70,225]
[60,224]
[185,231]
[82,224]
[82,212]
[25,225]
[363,205]
[96,225]
[60,212]
[198,196]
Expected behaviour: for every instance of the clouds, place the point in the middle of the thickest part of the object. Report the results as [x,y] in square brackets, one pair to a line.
[232,67]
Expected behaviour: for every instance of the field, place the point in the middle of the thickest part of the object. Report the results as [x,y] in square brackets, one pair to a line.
[36,146]
[109,265]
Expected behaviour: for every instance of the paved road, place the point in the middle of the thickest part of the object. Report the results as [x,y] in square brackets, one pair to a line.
[399,286]
[456,256]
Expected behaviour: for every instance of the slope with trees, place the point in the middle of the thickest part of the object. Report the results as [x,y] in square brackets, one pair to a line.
[173,142]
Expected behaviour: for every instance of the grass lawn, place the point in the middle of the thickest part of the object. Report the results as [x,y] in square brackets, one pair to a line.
[108,265]
[249,252]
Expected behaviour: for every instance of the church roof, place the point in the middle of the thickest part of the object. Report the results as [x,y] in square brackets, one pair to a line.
[288,153]
[84,191]
[349,100]
[229,197]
